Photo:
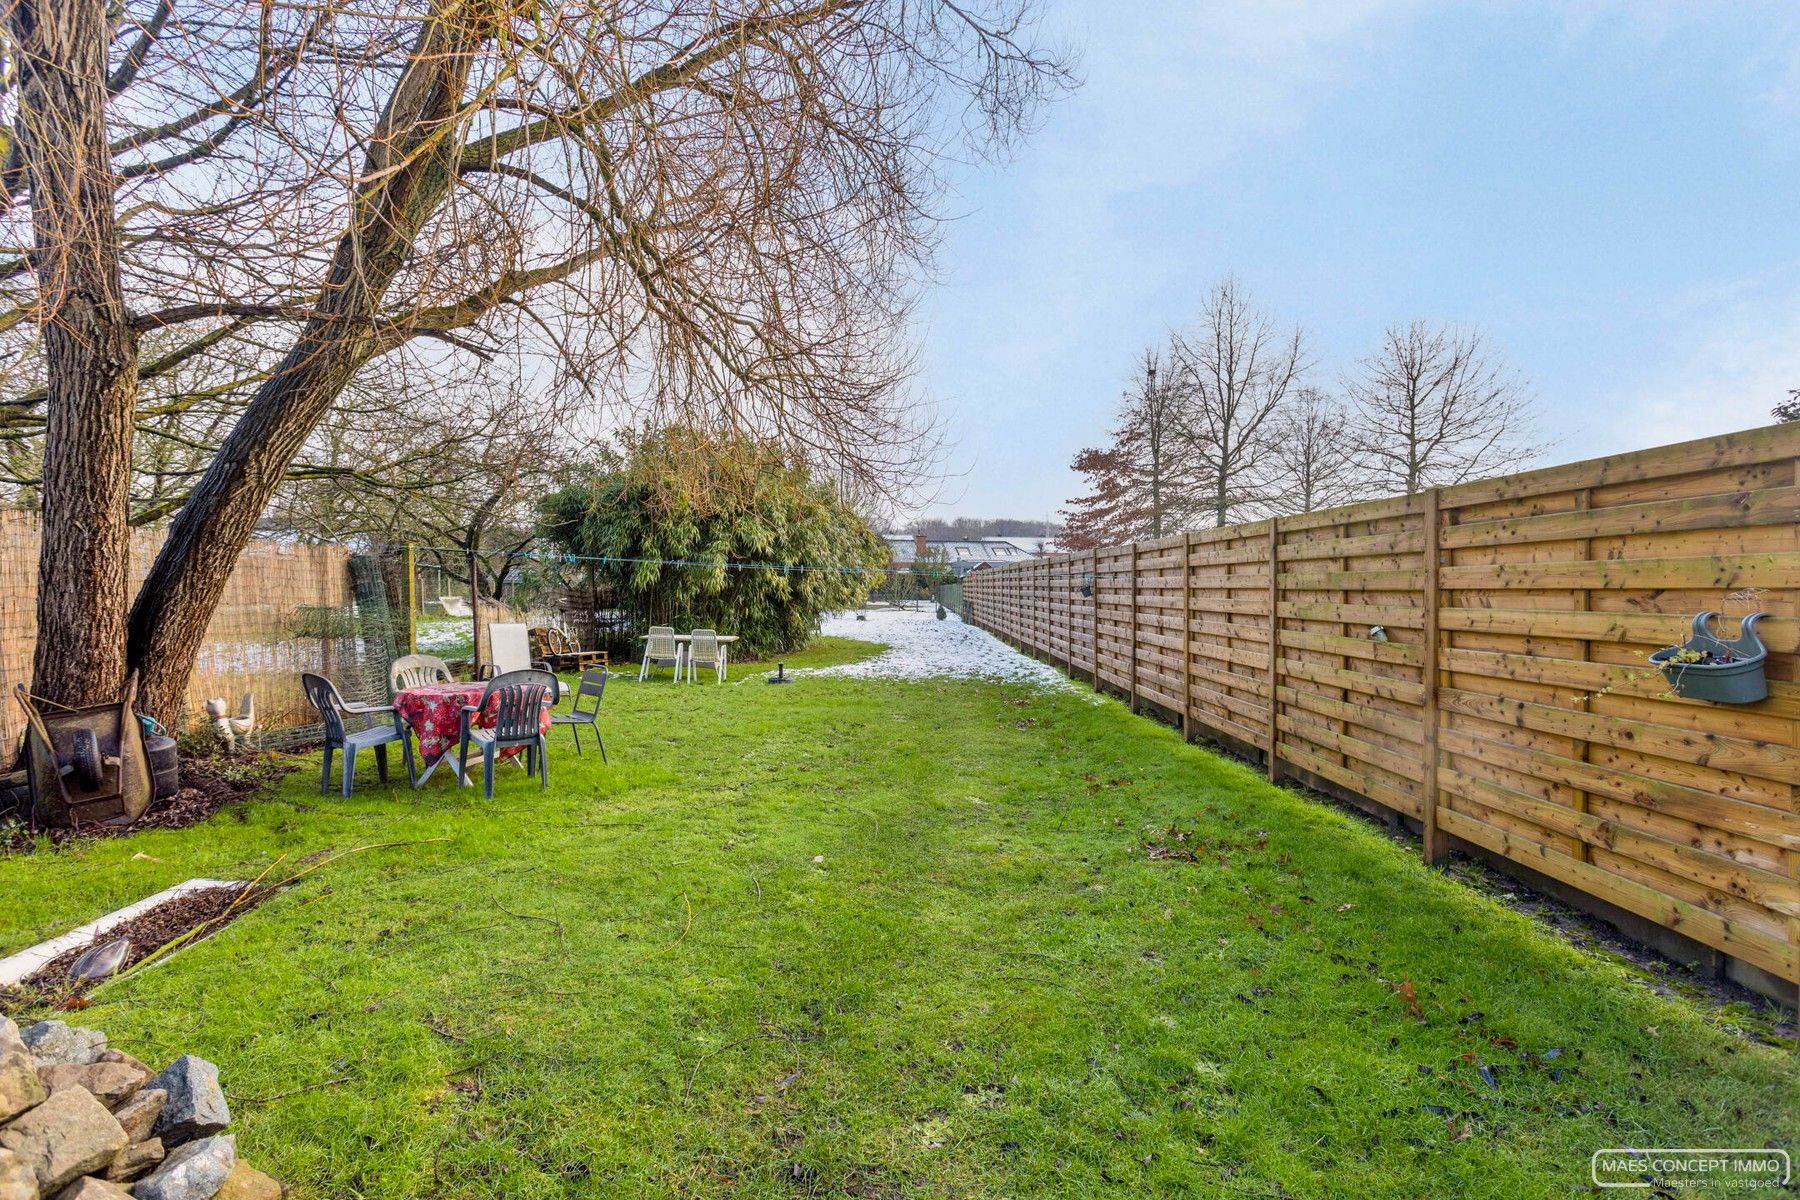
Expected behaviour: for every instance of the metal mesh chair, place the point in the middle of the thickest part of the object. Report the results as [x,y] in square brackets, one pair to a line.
[340,739]
[519,697]
[416,670]
[593,683]
[705,650]
[661,650]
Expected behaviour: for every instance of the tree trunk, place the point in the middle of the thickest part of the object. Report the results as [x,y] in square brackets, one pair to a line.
[90,351]
[410,164]
[178,598]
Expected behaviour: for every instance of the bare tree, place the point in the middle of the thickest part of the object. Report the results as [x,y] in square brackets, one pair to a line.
[718,211]
[1436,407]
[1313,457]
[459,473]
[1140,484]
[1236,371]
[56,64]
[1150,432]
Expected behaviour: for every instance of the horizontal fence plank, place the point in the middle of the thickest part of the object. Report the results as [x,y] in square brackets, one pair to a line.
[1771,506]
[1702,571]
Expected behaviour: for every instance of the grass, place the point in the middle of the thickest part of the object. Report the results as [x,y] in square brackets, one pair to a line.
[868,938]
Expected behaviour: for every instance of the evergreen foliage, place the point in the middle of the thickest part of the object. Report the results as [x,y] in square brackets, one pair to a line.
[688,522]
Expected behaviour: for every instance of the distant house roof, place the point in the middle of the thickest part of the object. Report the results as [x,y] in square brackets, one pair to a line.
[960,554]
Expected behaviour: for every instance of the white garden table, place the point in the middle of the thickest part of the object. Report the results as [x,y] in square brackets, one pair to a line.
[681,644]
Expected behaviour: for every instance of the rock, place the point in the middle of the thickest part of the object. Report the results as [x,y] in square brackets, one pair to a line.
[196,1104]
[89,1188]
[137,1116]
[248,1183]
[194,1172]
[135,1160]
[69,1135]
[20,1087]
[16,1179]
[52,1042]
[119,1056]
[111,1083]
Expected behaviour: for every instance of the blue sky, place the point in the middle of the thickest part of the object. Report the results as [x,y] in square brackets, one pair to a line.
[1608,190]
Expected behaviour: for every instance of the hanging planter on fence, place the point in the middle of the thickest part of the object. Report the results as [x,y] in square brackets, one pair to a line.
[1707,667]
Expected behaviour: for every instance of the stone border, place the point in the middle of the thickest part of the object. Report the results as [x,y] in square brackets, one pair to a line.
[17,968]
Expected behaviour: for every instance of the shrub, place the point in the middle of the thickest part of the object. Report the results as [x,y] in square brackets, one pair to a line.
[696,529]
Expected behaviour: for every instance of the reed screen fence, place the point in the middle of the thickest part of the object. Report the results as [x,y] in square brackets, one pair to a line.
[288,607]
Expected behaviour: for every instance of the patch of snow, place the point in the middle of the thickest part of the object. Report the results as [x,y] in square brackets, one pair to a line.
[922,647]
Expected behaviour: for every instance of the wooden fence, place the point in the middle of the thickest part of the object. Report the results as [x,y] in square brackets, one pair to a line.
[259,639]
[1510,705]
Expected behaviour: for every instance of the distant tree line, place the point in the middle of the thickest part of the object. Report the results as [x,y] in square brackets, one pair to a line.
[1229,421]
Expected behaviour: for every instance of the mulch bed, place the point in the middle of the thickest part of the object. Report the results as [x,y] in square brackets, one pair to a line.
[209,910]
[207,785]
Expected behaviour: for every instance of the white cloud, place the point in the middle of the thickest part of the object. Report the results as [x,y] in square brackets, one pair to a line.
[1741,359]
[1254,67]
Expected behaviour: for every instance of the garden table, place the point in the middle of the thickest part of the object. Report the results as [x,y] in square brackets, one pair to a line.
[433,711]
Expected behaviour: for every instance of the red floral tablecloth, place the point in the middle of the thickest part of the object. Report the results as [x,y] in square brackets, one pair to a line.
[433,711]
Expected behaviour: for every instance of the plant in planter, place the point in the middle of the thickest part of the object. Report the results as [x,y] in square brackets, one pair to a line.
[1708,667]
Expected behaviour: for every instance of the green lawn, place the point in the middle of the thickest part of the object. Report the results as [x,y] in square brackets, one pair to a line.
[866,938]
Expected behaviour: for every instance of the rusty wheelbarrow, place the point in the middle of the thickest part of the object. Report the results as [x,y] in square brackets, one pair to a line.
[86,765]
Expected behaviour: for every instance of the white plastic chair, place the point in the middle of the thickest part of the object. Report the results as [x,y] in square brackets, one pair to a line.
[416,670]
[705,650]
[455,606]
[661,650]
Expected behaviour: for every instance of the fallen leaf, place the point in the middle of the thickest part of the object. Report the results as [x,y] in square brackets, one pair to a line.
[1409,997]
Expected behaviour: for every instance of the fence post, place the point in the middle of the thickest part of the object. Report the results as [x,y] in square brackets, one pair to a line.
[1584,600]
[475,611]
[1043,622]
[1435,842]
[1132,633]
[1187,636]
[1094,611]
[1274,763]
[1069,616]
[412,600]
